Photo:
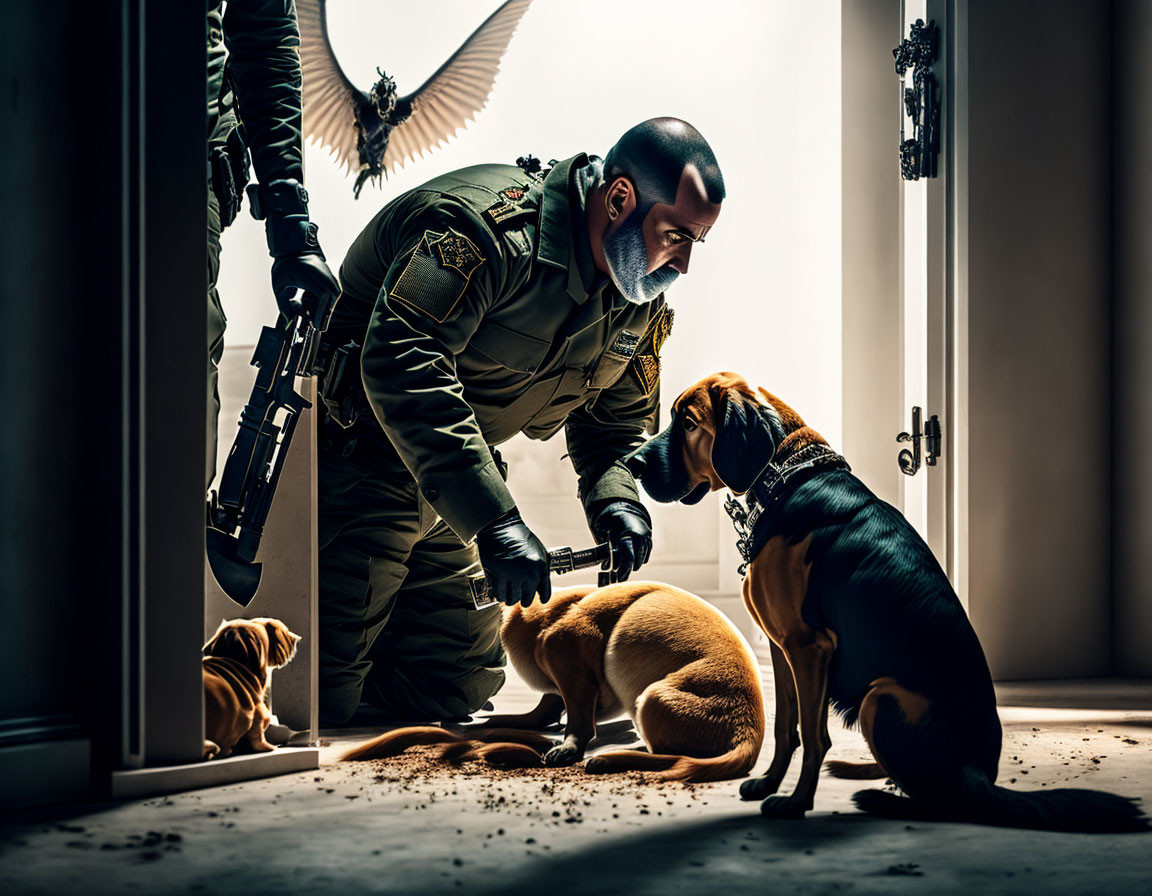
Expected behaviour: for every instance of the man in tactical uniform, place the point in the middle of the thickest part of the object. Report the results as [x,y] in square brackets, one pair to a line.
[254,69]
[488,302]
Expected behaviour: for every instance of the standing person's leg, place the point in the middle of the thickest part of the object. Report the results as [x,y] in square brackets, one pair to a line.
[369,520]
[216,324]
[439,658]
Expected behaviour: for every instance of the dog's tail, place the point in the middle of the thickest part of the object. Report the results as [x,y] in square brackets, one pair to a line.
[922,758]
[393,743]
[502,747]
[855,771]
[980,801]
[507,754]
[736,763]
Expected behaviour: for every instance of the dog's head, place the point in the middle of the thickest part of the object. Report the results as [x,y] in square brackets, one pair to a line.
[722,435]
[258,644]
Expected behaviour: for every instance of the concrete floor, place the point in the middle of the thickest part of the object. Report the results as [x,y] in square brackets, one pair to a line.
[380,828]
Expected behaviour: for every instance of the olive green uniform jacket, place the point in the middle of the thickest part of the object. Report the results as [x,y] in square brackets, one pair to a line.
[482,315]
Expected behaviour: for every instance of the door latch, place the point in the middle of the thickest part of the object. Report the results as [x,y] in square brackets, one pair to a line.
[910,460]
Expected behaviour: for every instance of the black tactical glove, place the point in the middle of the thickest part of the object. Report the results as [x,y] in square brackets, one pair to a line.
[301,280]
[515,561]
[627,526]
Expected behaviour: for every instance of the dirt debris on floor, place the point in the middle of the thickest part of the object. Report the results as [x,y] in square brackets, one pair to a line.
[553,795]
[417,824]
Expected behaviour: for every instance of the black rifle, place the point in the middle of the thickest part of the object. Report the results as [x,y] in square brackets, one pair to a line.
[236,515]
[560,560]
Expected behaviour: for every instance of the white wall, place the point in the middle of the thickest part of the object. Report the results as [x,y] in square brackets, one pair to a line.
[761,80]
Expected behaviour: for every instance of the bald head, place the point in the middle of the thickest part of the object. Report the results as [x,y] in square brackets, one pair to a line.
[659,195]
[654,154]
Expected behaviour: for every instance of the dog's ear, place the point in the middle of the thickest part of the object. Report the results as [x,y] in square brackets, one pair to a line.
[740,450]
[223,624]
[238,640]
[209,648]
[281,643]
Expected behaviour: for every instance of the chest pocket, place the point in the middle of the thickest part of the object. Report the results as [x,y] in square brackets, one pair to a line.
[610,366]
[509,348]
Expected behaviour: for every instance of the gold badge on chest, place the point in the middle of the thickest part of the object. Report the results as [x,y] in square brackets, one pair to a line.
[662,329]
[647,361]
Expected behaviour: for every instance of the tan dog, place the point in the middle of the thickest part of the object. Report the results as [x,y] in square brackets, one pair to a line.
[669,660]
[237,666]
[860,614]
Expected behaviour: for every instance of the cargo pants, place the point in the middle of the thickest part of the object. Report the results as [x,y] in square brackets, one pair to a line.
[216,324]
[399,633]
[227,129]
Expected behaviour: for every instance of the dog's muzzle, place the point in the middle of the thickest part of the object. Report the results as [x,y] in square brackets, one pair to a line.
[659,465]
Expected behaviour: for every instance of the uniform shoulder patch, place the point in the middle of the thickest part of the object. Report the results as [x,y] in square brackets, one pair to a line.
[458,252]
[437,273]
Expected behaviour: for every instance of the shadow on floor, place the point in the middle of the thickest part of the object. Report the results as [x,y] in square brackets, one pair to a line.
[715,849]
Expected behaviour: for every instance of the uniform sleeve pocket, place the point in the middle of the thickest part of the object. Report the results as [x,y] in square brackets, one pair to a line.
[614,361]
[509,348]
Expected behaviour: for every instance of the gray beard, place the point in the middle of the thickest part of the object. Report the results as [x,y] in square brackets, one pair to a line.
[627,259]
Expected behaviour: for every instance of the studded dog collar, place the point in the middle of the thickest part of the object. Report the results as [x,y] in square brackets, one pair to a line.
[766,490]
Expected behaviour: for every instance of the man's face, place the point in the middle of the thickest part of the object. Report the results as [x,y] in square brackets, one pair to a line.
[646,254]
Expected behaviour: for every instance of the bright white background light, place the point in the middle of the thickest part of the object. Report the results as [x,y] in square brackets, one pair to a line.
[761,80]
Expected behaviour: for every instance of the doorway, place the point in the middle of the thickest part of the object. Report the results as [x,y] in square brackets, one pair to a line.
[903,303]
[932,295]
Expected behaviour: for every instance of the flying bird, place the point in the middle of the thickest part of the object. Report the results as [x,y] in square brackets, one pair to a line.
[377,131]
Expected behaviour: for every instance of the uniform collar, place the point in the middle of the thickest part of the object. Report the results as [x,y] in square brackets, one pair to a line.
[563,234]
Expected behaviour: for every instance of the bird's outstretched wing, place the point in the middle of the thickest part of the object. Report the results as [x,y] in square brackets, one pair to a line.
[329,97]
[458,90]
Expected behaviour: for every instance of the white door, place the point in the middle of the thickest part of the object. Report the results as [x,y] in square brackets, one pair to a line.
[931,307]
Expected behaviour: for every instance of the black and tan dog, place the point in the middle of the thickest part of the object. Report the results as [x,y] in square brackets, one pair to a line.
[667,659]
[860,614]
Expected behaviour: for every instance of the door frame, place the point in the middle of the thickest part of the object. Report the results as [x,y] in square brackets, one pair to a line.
[947,243]
[163,217]
[872,309]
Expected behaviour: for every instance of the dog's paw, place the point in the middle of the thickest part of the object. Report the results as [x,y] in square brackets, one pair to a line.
[757,788]
[782,807]
[563,754]
[597,766]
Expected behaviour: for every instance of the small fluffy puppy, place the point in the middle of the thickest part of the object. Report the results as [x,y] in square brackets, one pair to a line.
[238,662]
